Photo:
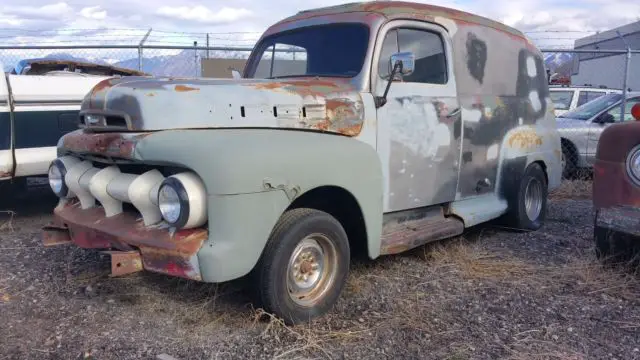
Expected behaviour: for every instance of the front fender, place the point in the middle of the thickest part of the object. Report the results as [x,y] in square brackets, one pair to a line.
[253,175]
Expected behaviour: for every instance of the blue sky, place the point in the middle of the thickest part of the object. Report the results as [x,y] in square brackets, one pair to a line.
[21,22]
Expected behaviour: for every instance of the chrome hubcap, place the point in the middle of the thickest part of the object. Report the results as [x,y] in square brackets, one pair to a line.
[312,269]
[533,199]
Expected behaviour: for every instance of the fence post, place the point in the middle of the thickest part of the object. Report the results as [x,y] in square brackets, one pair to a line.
[625,79]
[140,49]
[207,45]
[195,56]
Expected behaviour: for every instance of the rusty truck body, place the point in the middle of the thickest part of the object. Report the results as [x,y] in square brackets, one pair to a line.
[406,123]
[616,189]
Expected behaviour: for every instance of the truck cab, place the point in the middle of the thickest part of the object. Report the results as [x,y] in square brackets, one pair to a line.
[368,128]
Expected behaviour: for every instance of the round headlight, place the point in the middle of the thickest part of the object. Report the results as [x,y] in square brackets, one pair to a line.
[57,172]
[633,165]
[169,202]
[182,201]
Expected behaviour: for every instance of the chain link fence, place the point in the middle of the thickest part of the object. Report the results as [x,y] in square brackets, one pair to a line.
[590,89]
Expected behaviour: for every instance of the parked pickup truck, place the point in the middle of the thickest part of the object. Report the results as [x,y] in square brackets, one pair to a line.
[616,191]
[405,123]
[35,111]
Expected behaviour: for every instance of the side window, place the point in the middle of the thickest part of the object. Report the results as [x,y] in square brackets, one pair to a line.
[561,99]
[615,111]
[586,96]
[428,48]
[389,47]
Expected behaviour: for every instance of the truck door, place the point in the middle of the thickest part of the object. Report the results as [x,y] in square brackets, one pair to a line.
[415,139]
[6,148]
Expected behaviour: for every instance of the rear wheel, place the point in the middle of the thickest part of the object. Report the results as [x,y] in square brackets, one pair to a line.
[304,266]
[528,200]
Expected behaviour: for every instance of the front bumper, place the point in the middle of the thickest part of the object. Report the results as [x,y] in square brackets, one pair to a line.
[161,248]
[619,219]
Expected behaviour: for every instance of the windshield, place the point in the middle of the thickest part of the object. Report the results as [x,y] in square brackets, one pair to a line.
[592,108]
[325,50]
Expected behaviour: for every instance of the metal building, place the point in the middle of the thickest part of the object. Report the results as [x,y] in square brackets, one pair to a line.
[608,69]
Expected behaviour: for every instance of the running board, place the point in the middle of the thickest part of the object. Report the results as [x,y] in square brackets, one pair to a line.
[399,235]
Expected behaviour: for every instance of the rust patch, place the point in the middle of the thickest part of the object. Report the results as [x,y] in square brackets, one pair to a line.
[151,94]
[184,88]
[124,262]
[162,250]
[525,139]
[4,174]
[54,236]
[111,144]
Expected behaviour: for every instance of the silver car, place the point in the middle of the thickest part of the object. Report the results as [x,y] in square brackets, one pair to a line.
[580,129]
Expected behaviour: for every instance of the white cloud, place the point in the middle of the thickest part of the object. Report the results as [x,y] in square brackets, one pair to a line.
[46,11]
[94,12]
[203,14]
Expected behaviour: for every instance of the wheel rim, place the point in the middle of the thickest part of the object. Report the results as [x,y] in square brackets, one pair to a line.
[312,269]
[533,199]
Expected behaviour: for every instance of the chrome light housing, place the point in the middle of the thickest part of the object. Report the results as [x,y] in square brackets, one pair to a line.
[57,172]
[633,165]
[182,201]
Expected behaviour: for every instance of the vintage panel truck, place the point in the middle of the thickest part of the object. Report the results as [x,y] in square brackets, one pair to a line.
[406,123]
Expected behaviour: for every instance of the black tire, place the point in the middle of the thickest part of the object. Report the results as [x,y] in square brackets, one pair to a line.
[272,277]
[570,161]
[517,216]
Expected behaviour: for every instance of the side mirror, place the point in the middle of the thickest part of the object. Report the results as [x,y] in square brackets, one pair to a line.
[406,62]
[235,73]
[605,118]
[635,111]
[402,64]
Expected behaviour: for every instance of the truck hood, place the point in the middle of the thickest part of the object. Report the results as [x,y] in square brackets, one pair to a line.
[148,104]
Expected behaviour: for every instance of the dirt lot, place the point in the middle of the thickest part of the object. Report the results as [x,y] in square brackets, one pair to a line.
[493,293]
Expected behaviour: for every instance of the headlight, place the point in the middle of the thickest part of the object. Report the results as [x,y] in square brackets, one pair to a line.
[633,165]
[182,201]
[57,172]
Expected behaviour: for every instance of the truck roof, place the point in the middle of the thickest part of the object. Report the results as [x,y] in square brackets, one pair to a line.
[403,9]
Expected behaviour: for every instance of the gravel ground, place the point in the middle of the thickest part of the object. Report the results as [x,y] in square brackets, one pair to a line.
[492,293]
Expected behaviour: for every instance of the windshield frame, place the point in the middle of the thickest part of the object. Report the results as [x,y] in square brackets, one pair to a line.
[264,43]
[572,114]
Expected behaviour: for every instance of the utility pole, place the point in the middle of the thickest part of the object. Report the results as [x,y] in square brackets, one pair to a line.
[140,48]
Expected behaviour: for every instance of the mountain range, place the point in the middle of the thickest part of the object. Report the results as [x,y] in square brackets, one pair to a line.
[184,63]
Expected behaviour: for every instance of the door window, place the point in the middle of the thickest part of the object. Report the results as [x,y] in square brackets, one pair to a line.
[428,48]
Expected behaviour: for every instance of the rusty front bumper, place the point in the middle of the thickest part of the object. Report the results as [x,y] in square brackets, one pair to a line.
[153,248]
[619,219]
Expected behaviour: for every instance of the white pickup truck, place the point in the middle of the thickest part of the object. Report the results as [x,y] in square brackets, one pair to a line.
[35,111]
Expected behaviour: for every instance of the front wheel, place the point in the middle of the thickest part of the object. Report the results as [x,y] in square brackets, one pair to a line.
[304,266]
[528,200]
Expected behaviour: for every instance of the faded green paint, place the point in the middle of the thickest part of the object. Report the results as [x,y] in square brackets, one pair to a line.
[234,164]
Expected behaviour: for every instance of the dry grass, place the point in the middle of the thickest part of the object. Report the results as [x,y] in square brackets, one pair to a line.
[474,263]
[572,189]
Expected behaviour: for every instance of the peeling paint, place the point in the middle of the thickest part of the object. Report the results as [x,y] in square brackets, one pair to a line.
[525,138]
[185,88]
